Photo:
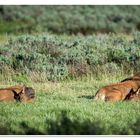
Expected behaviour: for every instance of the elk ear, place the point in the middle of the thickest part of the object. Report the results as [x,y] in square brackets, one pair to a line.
[23,89]
[129,93]
[138,92]
[16,95]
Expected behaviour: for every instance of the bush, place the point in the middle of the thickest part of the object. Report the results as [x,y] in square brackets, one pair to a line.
[61,57]
[69,19]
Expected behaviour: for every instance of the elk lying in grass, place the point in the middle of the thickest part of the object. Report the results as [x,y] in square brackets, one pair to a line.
[127,89]
[17,93]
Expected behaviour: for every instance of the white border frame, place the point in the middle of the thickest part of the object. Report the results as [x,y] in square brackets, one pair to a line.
[70,2]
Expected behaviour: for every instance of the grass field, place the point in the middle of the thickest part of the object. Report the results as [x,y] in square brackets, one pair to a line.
[66,53]
[68,108]
[64,102]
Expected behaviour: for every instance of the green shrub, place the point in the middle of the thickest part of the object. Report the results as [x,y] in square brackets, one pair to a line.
[64,56]
[85,19]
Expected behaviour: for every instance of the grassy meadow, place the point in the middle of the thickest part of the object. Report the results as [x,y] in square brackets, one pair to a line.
[68,108]
[66,75]
[66,60]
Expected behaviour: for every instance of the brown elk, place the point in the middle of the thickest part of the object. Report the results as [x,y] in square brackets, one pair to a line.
[126,89]
[17,93]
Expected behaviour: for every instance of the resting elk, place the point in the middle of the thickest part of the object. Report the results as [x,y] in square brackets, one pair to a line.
[127,89]
[17,93]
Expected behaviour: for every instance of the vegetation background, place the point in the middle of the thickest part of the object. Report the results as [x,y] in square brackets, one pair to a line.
[66,53]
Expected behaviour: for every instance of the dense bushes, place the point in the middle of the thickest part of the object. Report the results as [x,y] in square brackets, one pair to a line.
[69,19]
[64,56]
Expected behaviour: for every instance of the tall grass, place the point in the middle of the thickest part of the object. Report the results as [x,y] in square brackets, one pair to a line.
[80,113]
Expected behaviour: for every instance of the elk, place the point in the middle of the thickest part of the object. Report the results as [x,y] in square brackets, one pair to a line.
[126,89]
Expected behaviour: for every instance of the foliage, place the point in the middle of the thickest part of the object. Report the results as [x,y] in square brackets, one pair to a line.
[61,57]
[91,60]
[84,19]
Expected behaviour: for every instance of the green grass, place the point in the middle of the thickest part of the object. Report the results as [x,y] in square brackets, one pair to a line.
[66,70]
[66,106]
[80,113]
